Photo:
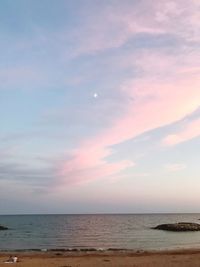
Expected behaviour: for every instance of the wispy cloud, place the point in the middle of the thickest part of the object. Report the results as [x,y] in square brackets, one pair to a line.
[113,25]
[174,167]
[109,27]
[154,105]
[189,131]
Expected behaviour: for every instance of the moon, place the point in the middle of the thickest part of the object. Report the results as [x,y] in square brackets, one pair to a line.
[95,95]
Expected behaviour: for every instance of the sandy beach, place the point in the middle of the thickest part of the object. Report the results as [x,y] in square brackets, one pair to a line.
[182,258]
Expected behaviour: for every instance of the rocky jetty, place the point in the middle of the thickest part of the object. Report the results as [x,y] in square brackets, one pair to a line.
[179,227]
[3,227]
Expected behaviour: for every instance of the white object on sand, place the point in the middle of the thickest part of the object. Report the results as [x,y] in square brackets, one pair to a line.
[12,260]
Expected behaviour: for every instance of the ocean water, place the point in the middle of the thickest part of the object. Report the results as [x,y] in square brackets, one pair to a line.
[127,231]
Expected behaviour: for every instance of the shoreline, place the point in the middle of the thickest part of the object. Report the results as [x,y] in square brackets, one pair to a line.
[100,250]
[109,252]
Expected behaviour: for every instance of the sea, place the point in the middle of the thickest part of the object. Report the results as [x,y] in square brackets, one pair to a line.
[95,232]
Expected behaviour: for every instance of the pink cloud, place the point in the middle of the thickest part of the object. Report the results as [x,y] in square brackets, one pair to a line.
[190,131]
[163,95]
[155,105]
[115,24]
[82,174]
[112,26]
[89,163]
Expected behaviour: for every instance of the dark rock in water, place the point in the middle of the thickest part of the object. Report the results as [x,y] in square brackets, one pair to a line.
[3,227]
[179,227]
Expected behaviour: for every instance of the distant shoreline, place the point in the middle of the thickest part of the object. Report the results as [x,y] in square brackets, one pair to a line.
[106,213]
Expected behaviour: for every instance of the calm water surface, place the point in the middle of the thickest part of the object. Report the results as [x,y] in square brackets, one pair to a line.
[129,231]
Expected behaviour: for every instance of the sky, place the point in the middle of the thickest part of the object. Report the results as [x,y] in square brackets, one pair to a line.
[99,106]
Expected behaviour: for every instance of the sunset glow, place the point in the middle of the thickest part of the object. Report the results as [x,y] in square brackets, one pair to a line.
[99,106]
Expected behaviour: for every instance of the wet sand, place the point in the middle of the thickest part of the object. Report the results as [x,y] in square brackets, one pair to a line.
[182,258]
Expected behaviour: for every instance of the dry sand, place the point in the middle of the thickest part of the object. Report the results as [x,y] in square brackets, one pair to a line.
[182,258]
